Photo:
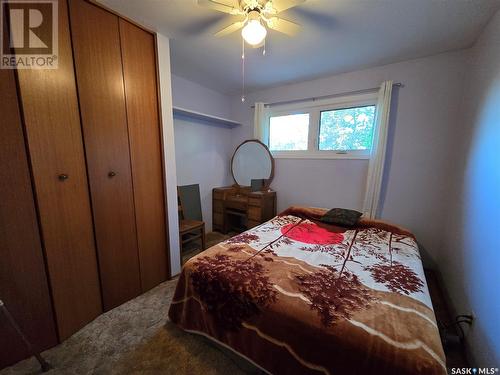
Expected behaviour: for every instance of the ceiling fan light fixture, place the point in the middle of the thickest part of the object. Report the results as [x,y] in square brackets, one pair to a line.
[253,32]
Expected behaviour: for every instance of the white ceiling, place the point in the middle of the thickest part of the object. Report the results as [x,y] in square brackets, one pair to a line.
[337,36]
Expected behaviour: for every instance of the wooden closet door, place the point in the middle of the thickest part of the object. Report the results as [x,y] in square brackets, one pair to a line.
[50,108]
[139,70]
[99,73]
[23,281]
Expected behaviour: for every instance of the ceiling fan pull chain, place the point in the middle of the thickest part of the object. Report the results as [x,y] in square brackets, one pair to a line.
[242,70]
[264,51]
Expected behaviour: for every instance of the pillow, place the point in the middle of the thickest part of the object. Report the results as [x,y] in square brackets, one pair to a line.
[341,216]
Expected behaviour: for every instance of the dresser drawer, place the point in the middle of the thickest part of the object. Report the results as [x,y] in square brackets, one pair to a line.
[254,201]
[236,204]
[254,213]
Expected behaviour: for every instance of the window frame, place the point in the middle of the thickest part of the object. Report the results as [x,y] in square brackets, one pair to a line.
[314,109]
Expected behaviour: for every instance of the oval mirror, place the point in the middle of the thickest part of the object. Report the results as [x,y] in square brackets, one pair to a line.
[252,160]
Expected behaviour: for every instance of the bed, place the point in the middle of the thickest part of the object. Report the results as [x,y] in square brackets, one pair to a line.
[297,296]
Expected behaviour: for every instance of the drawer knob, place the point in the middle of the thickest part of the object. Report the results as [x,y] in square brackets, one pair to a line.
[111,174]
[63,177]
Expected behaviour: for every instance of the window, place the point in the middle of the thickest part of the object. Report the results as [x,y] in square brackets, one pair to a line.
[347,129]
[341,127]
[289,132]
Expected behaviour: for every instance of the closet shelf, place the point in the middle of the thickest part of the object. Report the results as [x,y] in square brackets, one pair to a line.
[182,112]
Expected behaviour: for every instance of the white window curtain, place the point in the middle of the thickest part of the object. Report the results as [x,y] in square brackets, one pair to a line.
[260,130]
[377,156]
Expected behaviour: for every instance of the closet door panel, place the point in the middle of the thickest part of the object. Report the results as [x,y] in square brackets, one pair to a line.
[96,46]
[23,281]
[139,68]
[50,109]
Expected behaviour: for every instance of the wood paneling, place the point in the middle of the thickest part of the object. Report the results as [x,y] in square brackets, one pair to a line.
[23,281]
[139,68]
[52,124]
[218,219]
[218,206]
[96,47]
[252,223]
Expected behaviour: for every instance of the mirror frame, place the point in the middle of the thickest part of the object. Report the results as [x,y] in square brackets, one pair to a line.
[271,176]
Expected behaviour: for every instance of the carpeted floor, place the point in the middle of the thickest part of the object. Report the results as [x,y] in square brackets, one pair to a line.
[137,338]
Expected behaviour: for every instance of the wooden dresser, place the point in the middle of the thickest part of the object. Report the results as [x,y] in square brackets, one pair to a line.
[237,208]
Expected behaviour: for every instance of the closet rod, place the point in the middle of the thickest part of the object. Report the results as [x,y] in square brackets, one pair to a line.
[267,105]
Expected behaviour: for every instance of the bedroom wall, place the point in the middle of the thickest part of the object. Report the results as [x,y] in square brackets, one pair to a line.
[202,149]
[168,149]
[422,131]
[470,259]
[191,95]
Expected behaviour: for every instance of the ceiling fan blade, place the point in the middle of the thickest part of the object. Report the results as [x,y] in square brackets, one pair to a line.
[230,29]
[282,5]
[247,2]
[283,26]
[225,6]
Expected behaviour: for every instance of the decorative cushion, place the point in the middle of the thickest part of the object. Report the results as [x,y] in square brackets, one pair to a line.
[341,216]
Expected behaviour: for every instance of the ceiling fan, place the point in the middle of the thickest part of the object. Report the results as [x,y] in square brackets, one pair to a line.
[257,15]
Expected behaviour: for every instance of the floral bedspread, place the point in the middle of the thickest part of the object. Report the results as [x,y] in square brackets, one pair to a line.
[296,296]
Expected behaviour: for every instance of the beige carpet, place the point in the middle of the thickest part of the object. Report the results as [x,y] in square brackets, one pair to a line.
[136,338]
